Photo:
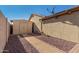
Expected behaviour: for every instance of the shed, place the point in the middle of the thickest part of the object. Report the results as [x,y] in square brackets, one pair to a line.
[36,27]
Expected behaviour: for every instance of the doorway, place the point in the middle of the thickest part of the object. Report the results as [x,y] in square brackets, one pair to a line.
[33,28]
[11,29]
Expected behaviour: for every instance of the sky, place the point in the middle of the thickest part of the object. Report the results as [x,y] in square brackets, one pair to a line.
[16,12]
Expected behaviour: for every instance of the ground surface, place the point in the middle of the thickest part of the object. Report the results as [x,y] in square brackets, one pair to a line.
[37,43]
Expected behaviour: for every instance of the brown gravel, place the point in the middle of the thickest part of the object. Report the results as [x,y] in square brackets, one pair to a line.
[59,43]
[14,45]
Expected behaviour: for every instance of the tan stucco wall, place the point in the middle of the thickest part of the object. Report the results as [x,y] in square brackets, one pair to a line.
[22,26]
[3,31]
[15,27]
[37,24]
[8,30]
[64,27]
[29,26]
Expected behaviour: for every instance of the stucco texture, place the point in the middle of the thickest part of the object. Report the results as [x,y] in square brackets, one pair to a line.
[22,26]
[64,27]
[4,31]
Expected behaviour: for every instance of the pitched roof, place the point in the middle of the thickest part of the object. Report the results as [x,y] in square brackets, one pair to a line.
[34,15]
[69,11]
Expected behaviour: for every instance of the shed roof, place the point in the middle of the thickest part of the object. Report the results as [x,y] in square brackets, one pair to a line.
[69,11]
[35,15]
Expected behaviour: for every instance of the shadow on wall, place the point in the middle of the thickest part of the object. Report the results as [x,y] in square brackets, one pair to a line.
[71,20]
[35,29]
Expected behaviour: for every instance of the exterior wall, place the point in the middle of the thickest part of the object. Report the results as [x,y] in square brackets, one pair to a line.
[8,29]
[37,24]
[64,27]
[29,25]
[16,27]
[3,31]
[22,26]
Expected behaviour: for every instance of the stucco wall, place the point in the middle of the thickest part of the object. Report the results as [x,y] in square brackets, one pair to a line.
[15,27]
[3,31]
[22,26]
[37,24]
[29,25]
[8,30]
[64,27]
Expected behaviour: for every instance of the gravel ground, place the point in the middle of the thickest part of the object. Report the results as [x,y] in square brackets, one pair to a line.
[59,43]
[14,45]
[20,45]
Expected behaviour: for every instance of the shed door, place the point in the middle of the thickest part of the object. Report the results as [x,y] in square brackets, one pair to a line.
[33,28]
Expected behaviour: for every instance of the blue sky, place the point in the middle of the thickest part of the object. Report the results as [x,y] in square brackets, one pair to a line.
[25,11]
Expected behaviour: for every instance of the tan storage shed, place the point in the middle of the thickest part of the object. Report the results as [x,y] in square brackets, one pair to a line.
[4,31]
[63,25]
[36,28]
[22,26]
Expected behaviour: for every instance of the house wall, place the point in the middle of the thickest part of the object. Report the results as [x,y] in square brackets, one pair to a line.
[22,26]
[37,24]
[64,27]
[4,32]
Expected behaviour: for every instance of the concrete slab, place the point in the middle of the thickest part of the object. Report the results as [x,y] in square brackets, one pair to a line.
[75,49]
[42,46]
[27,46]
